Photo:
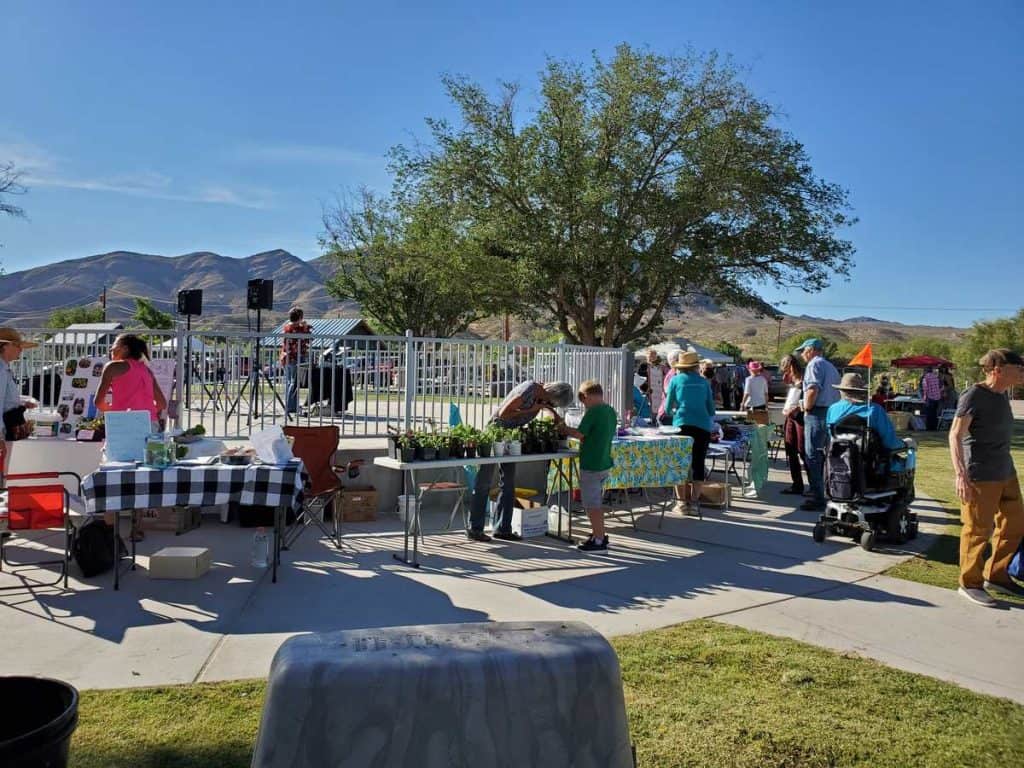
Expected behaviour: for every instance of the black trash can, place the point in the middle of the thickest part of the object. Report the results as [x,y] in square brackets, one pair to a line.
[37,718]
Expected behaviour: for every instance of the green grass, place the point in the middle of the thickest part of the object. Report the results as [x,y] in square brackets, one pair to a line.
[939,565]
[699,694]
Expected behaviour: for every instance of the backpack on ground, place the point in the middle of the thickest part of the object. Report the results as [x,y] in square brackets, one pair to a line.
[1016,569]
[94,548]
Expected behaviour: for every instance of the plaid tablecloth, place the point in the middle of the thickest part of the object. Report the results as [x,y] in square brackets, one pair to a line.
[642,462]
[109,490]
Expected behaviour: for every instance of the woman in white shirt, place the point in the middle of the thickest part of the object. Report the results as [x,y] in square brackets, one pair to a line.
[11,345]
[793,430]
[755,389]
[656,371]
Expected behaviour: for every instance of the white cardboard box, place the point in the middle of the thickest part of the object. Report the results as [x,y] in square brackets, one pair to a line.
[179,563]
[530,523]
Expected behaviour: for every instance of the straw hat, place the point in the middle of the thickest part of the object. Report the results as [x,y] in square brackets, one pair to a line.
[853,386]
[11,336]
[688,359]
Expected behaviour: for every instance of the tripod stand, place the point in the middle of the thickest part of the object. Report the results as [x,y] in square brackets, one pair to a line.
[252,381]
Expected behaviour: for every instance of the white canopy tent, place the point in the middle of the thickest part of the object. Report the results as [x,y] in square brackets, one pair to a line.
[665,348]
[198,347]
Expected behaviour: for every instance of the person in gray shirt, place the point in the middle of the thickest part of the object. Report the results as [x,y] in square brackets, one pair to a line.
[986,480]
[819,392]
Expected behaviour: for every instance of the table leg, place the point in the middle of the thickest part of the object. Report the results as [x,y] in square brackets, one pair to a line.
[572,465]
[276,555]
[563,479]
[410,522]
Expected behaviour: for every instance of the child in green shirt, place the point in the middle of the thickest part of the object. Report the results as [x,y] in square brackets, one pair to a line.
[595,433]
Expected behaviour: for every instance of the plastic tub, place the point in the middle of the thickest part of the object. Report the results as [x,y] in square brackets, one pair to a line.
[38,715]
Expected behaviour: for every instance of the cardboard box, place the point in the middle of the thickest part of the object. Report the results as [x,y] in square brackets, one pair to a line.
[176,519]
[358,504]
[531,522]
[900,420]
[179,563]
[715,494]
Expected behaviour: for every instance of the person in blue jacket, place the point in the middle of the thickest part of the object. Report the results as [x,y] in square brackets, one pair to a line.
[855,402]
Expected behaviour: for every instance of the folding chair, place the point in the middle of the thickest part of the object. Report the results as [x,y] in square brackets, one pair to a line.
[946,418]
[316,446]
[37,506]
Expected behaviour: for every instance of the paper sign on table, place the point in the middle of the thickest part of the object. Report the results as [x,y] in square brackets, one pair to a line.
[127,432]
[271,446]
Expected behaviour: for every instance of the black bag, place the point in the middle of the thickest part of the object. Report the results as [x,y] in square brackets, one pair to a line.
[842,467]
[15,427]
[94,548]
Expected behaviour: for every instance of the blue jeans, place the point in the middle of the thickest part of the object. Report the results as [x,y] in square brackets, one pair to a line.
[481,495]
[291,387]
[815,443]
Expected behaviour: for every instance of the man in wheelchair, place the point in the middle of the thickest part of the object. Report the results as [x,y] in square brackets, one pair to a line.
[869,471]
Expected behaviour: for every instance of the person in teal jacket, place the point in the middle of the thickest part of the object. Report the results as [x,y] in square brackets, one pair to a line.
[855,402]
[691,406]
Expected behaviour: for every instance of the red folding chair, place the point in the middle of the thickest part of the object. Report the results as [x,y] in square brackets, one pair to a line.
[316,446]
[37,501]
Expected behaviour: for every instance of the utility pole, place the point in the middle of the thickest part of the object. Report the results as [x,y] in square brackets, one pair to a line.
[778,337]
[103,301]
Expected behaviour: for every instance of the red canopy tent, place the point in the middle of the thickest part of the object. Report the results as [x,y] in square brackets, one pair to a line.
[920,361]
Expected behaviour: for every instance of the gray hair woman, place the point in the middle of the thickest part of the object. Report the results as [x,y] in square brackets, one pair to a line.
[518,409]
[11,345]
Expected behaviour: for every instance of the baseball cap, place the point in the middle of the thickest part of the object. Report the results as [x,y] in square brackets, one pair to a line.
[811,343]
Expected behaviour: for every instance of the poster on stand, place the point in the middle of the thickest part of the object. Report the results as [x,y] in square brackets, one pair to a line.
[78,392]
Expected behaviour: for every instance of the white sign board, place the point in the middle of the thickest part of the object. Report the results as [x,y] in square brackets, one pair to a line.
[80,379]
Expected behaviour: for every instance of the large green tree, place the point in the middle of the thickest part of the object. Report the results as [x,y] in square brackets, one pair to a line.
[148,316]
[62,318]
[411,265]
[633,182]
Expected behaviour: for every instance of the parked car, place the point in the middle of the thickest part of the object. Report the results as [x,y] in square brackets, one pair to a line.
[776,386]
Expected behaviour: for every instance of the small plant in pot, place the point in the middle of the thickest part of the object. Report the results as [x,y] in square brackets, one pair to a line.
[470,446]
[497,437]
[407,444]
[513,444]
[444,447]
[461,435]
[426,450]
[484,442]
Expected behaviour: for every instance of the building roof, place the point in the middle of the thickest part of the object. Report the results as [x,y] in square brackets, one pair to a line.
[327,329]
[85,333]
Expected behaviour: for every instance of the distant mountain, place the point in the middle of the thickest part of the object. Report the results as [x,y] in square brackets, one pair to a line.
[27,297]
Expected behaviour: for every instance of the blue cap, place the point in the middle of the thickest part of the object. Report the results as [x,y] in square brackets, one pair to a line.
[810,343]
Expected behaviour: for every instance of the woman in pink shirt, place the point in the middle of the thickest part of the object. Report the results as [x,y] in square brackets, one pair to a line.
[129,381]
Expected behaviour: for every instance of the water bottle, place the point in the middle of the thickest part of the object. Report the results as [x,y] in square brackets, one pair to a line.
[260,549]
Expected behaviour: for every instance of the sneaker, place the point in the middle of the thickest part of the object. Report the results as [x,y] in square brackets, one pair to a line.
[977,596]
[1011,589]
[508,536]
[477,536]
[791,491]
[812,506]
[592,545]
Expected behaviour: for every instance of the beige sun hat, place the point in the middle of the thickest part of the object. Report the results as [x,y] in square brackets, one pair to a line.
[688,359]
[852,385]
[11,336]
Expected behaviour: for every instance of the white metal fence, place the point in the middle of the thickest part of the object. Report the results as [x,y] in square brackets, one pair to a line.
[232,383]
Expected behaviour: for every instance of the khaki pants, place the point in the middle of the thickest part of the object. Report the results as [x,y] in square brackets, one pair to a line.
[996,508]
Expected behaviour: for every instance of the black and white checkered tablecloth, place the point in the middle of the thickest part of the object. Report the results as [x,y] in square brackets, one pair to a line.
[109,490]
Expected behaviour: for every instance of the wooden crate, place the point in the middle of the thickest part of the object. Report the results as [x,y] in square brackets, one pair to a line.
[714,494]
[358,505]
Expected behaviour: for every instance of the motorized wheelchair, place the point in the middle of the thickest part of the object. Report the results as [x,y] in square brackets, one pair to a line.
[869,487]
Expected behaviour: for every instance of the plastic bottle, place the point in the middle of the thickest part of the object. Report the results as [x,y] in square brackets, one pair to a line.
[260,549]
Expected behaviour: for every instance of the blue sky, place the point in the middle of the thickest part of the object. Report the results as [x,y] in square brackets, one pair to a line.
[175,127]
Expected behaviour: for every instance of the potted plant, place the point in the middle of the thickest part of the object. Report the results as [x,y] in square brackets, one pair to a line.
[461,435]
[444,446]
[530,439]
[484,441]
[470,444]
[513,444]
[497,436]
[426,448]
[407,444]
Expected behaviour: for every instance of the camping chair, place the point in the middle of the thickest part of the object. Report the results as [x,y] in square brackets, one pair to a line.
[946,418]
[37,506]
[316,446]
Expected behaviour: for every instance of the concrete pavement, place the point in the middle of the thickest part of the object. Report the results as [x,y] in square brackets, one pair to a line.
[755,566]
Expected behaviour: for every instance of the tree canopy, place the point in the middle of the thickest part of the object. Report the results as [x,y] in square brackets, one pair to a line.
[634,182]
[148,316]
[62,318]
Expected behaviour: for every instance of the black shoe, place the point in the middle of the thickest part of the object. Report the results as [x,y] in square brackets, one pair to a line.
[809,493]
[477,536]
[507,536]
[791,491]
[591,545]
[812,506]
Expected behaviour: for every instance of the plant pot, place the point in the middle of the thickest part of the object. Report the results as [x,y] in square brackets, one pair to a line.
[443,454]
[499,448]
[551,446]
[419,452]
[457,452]
[408,454]
[515,448]
[470,451]
[429,453]
[530,447]
[483,450]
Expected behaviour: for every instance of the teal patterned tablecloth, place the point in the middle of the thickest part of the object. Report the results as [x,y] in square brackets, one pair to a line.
[640,462]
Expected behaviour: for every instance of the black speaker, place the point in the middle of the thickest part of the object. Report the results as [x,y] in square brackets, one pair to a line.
[190,302]
[260,294]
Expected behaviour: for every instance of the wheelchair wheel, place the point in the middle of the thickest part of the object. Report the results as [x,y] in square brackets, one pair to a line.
[897,524]
[819,532]
[867,541]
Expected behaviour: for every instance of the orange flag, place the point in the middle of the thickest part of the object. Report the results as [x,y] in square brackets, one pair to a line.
[863,357]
